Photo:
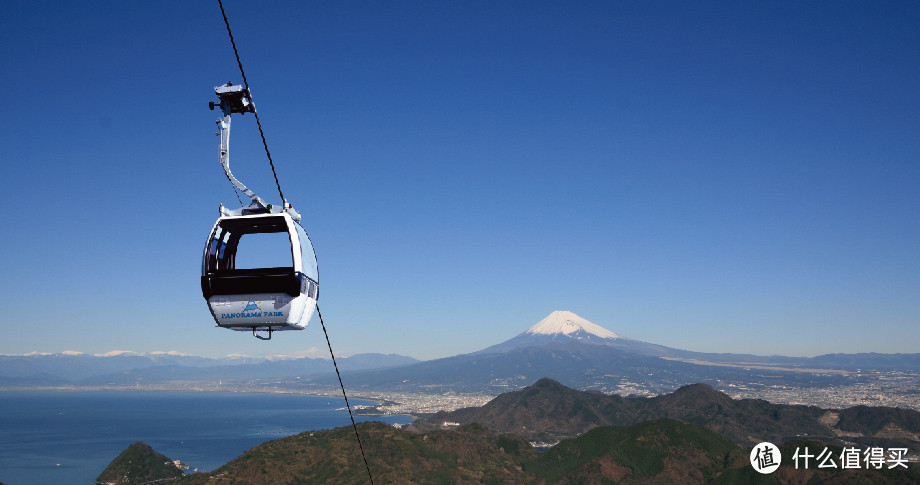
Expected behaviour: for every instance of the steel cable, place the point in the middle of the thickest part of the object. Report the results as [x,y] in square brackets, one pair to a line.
[322,323]
[255,111]
[353,425]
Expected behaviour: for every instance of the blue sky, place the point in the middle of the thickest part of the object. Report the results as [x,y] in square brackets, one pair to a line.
[714,176]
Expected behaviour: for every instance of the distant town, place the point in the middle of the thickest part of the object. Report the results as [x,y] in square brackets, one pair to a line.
[892,389]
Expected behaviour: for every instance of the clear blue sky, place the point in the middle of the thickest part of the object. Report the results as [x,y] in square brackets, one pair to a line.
[714,176]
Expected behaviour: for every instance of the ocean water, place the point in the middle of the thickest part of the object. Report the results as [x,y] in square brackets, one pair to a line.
[69,437]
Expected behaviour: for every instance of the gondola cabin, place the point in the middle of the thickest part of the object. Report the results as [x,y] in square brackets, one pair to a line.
[259,271]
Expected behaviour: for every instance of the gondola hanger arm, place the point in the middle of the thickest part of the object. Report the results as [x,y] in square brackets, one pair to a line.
[234,99]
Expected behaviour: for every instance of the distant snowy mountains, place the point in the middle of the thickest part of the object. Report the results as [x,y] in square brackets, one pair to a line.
[563,327]
[583,355]
[562,346]
[126,368]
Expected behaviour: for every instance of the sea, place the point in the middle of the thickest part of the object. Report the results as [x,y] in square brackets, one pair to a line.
[69,437]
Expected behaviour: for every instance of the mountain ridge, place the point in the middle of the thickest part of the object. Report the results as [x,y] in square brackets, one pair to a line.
[744,421]
[71,369]
[553,329]
[652,450]
[563,346]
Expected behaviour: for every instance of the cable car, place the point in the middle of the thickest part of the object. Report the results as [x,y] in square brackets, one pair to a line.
[253,297]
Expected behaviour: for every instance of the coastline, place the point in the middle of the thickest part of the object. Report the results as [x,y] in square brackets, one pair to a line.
[412,405]
[68,434]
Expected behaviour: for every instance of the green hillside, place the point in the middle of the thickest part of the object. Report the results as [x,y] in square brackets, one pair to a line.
[666,450]
[694,435]
[139,463]
[470,454]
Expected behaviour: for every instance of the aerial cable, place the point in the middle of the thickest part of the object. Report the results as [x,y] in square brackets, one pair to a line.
[255,112]
[348,406]
[283,200]
[339,375]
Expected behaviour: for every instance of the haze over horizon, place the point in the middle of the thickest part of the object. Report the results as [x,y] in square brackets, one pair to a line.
[719,178]
[559,322]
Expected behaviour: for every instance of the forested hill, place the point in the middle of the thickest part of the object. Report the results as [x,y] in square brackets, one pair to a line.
[694,435]
[139,463]
[549,411]
[658,451]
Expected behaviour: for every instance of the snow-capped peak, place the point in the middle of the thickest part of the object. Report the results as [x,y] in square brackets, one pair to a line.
[564,322]
[117,353]
[173,353]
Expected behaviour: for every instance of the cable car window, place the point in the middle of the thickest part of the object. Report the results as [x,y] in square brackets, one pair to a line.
[260,250]
[250,243]
[218,251]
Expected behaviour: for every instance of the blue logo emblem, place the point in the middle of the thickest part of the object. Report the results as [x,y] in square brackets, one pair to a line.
[251,306]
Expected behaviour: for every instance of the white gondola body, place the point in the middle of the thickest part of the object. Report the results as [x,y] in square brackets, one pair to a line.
[259,299]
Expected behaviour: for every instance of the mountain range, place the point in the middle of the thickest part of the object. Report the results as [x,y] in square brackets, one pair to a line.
[562,327]
[686,432]
[583,355]
[562,346]
[131,369]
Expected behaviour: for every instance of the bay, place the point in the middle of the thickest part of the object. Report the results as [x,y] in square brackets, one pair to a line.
[55,437]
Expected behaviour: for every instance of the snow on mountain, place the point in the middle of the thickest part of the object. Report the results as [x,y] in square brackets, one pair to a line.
[564,328]
[175,353]
[117,353]
[125,367]
[561,327]
[311,353]
[568,323]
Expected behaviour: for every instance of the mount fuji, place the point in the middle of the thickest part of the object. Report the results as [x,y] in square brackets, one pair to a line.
[571,325]
[581,354]
[564,327]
